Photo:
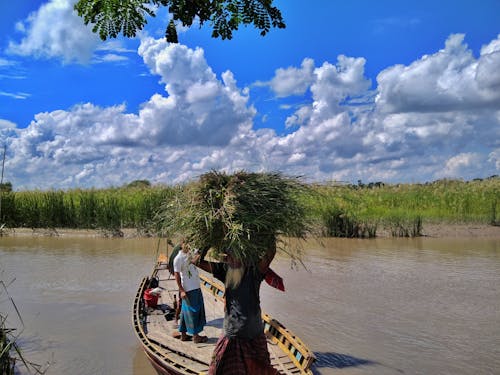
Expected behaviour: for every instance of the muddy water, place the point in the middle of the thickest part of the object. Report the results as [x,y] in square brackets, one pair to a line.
[385,306]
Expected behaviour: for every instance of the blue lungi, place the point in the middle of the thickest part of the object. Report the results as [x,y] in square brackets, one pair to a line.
[192,313]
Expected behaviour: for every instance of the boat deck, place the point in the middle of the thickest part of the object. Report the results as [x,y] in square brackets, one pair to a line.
[288,354]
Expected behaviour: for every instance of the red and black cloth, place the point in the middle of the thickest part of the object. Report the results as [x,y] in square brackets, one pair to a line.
[235,356]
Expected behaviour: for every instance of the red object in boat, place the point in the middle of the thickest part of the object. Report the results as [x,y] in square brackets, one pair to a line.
[150,299]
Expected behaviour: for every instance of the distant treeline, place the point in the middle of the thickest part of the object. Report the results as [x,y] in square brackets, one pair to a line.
[337,210]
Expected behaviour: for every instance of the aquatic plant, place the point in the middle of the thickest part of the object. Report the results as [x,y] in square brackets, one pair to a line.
[11,356]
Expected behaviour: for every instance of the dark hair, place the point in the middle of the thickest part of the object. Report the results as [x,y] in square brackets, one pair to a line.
[153,283]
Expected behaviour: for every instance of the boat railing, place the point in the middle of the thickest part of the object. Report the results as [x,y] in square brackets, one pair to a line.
[152,347]
[296,350]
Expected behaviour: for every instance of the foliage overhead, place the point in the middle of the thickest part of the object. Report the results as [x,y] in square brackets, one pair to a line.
[112,17]
[241,212]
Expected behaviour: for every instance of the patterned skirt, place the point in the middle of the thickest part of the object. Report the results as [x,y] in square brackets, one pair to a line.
[235,356]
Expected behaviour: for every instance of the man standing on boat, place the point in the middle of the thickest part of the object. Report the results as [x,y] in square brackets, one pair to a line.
[192,317]
[242,348]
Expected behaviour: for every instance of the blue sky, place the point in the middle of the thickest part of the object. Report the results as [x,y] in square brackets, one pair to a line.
[393,91]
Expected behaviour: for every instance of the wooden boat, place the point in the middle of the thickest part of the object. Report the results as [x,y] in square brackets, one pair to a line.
[171,356]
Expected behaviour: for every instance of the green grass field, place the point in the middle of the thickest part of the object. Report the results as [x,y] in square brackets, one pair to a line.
[339,211]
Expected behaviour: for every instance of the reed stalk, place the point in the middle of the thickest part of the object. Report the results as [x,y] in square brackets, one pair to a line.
[346,210]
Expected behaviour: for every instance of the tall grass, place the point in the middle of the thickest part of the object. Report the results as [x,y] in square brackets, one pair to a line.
[403,209]
[340,211]
[107,209]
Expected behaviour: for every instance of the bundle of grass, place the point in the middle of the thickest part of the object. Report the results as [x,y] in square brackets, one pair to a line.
[243,212]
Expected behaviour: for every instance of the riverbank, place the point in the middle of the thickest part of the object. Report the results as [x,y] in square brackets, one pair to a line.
[429,230]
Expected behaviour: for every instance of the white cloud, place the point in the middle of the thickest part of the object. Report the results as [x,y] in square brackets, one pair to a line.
[202,121]
[494,157]
[101,146]
[335,83]
[293,81]
[200,109]
[451,79]
[55,31]
[115,46]
[456,165]
[6,124]
[488,68]
[112,57]
[5,62]
[16,95]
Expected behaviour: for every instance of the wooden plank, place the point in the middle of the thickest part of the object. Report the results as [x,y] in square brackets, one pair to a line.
[194,358]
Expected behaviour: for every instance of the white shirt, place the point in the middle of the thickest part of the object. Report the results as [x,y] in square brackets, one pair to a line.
[190,279]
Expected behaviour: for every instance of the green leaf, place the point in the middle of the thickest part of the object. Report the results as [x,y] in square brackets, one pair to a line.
[171,33]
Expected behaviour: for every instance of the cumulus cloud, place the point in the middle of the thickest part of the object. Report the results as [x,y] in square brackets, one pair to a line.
[332,87]
[199,108]
[456,165]
[449,80]
[425,118]
[6,124]
[56,31]
[336,83]
[293,81]
[488,72]
[197,113]
[494,158]
[437,117]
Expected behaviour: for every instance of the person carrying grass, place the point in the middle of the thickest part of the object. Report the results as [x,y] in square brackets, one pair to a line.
[242,347]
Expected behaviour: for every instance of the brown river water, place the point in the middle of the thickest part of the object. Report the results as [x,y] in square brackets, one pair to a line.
[382,306]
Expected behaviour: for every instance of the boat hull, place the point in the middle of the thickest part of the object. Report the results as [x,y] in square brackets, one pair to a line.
[170,356]
[159,366]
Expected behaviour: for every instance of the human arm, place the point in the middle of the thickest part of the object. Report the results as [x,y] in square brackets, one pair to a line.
[199,260]
[268,257]
[199,255]
[182,292]
[205,265]
[177,266]
[217,269]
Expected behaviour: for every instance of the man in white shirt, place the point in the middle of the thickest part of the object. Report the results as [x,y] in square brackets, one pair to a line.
[192,319]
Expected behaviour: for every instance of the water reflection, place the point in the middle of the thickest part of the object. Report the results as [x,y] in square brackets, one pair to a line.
[382,306]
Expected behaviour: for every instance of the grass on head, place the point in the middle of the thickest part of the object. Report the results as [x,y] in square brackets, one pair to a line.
[243,212]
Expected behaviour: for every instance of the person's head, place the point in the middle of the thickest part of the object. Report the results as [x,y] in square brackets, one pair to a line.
[184,245]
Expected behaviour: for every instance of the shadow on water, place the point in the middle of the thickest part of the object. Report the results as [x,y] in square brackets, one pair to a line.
[337,360]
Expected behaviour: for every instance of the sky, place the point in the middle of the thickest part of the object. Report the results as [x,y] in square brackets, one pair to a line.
[391,90]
